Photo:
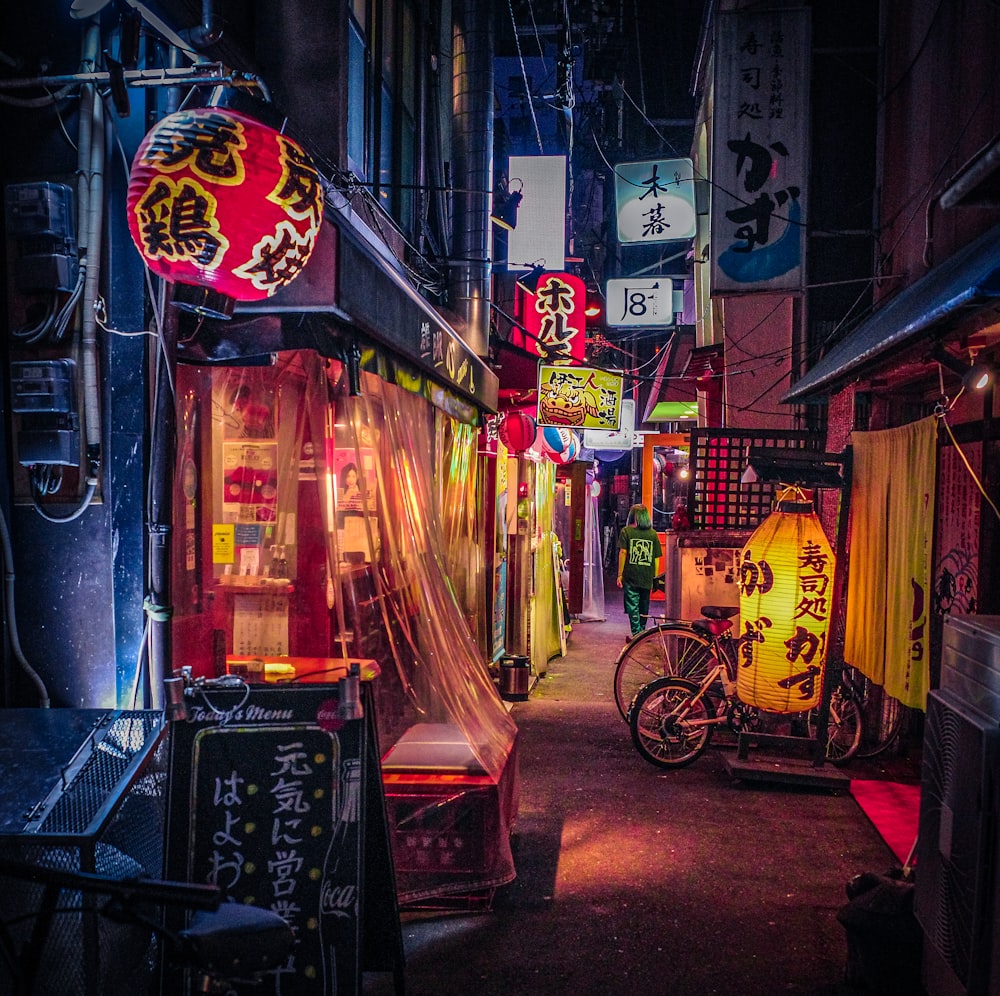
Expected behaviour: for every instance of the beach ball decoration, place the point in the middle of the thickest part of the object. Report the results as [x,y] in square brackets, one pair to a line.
[569,453]
[552,439]
[516,431]
[786,591]
[222,206]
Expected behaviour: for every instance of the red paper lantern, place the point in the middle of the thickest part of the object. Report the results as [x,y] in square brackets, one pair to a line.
[516,431]
[224,207]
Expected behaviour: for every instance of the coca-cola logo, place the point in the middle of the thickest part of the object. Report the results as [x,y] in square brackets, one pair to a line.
[338,900]
[328,716]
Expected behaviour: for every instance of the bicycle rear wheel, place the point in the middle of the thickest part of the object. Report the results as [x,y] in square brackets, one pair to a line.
[883,719]
[669,727]
[843,728]
[673,650]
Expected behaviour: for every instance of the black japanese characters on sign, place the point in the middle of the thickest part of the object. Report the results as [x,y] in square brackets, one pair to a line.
[761,150]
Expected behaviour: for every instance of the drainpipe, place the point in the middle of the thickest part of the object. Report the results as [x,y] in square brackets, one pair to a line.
[472,173]
[209,32]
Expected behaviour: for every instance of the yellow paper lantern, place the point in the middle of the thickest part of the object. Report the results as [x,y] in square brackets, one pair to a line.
[786,592]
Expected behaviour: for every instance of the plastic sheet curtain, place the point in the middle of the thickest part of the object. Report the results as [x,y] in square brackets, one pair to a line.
[889,580]
[457,481]
[313,525]
[393,437]
[546,622]
[593,608]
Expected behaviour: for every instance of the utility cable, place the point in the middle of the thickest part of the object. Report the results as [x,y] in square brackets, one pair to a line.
[11,616]
[524,77]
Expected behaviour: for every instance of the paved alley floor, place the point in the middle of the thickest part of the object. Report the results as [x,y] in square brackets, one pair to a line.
[634,879]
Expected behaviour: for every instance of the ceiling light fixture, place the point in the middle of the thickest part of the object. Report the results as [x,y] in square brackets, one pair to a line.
[975,377]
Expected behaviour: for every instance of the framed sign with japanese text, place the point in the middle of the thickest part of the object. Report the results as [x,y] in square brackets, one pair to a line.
[578,397]
[654,200]
[760,152]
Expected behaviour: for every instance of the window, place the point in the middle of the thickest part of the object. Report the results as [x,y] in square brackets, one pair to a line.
[384,86]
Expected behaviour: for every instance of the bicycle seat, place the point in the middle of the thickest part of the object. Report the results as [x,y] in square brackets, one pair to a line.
[236,940]
[720,611]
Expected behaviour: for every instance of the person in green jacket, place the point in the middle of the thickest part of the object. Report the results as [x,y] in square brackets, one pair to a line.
[639,550]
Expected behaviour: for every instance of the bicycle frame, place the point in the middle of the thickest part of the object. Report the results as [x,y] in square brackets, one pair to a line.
[703,688]
[224,944]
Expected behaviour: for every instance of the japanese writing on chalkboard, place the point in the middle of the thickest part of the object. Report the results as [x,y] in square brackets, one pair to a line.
[269,800]
[264,813]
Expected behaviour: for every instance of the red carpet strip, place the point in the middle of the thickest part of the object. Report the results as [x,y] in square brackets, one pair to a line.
[894,809]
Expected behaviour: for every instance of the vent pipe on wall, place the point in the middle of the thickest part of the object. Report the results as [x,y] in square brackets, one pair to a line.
[472,173]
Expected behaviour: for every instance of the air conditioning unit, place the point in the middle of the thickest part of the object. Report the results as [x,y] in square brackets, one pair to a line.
[957,892]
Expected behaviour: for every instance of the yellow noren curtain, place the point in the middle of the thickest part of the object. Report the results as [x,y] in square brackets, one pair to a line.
[889,582]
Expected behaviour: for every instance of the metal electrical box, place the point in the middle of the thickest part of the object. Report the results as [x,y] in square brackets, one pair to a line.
[43,394]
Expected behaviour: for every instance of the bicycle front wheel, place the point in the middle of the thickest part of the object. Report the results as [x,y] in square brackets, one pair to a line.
[670,727]
[673,650]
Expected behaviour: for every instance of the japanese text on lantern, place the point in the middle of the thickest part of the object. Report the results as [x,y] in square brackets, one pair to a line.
[196,194]
[807,645]
[554,301]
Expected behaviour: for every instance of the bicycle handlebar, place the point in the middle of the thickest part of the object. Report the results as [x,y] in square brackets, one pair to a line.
[188,895]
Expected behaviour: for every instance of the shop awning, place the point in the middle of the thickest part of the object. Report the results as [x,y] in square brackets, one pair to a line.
[672,397]
[963,281]
[350,283]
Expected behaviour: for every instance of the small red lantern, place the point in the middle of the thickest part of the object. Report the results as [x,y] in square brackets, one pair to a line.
[517,431]
[224,207]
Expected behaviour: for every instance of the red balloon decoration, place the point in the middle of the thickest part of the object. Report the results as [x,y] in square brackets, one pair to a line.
[224,207]
[516,431]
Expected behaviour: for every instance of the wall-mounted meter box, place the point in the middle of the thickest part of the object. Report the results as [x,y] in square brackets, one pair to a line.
[43,385]
[40,222]
[43,394]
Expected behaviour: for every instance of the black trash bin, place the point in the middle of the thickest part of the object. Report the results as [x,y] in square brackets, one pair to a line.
[515,678]
[884,939]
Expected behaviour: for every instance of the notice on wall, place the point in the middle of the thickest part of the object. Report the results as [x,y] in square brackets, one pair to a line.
[260,625]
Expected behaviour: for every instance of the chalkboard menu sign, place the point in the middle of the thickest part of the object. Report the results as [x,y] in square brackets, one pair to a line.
[278,801]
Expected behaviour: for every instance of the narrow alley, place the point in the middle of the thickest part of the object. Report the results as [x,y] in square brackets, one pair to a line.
[680,883]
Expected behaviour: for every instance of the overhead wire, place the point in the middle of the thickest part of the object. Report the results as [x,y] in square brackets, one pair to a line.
[524,76]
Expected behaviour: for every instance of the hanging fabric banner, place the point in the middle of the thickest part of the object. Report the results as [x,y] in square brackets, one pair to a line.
[889,583]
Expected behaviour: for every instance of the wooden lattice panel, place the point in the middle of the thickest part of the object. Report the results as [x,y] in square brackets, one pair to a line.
[717,498]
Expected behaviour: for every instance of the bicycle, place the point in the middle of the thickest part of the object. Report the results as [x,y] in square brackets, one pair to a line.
[700,661]
[225,945]
[882,714]
[674,648]
[879,716]
[845,723]
[672,719]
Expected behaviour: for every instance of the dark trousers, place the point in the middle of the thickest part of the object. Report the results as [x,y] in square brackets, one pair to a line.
[636,601]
